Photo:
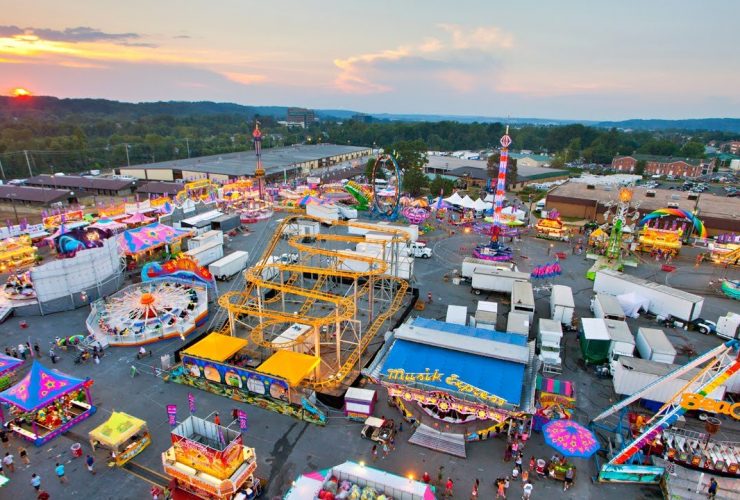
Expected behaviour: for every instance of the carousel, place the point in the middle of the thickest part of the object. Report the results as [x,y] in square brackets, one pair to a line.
[149,312]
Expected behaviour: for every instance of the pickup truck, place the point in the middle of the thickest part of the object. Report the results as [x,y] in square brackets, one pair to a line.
[418,249]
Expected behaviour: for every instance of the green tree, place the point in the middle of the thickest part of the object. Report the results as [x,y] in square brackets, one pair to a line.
[640,167]
[692,149]
[369,166]
[492,165]
[441,185]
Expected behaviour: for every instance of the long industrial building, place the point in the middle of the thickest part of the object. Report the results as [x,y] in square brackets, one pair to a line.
[289,161]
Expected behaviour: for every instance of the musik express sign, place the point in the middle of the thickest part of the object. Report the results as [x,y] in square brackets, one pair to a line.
[453,380]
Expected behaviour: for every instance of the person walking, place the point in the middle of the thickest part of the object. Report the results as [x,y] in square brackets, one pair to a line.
[90,462]
[35,481]
[59,470]
[429,299]
[8,462]
[527,492]
[43,495]
[518,462]
[525,476]
[712,489]
[37,349]
[386,450]
[374,452]
[474,493]
[22,351]
[532,463]
[448,487]
[426,478]
[5,439]
[568,482]
[24,455]
[440,475]
[216,419]
[506,486]
[500,489]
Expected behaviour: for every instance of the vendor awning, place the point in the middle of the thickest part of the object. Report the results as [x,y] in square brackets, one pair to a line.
[117,429]
[216,347]
[553,386]
[8,363]
[39,387]
[289,365]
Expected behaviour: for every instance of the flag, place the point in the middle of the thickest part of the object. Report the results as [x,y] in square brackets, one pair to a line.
[172,415]
[242,416]
[191,402]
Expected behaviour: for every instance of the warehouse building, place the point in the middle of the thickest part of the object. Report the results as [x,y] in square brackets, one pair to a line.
[159,188]
[101,186]
[34,196]
[720,214]
[278,162]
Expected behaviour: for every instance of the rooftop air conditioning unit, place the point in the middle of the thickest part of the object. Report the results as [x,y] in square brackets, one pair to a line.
[672,205]
[590,186]
[650,194]
[693,196]
[675,197]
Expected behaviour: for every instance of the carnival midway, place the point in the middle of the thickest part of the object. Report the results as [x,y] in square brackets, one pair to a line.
[345,340]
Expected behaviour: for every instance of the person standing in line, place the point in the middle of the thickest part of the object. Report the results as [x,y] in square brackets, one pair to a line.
[35,481]
[90,462]
[8,461]
[59,470]
[527,494]
[24,455]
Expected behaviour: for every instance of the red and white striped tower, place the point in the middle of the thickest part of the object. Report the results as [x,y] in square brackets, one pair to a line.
[501,184]
[259,172]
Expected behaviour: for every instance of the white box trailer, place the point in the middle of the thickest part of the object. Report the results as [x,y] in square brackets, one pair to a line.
[207,253]
[470,264]
[562,304]
[486,315]
[346,212]
[631,375]
[518,323]
[412,229]
[550,332]
[327,213]
[495,280]
[207,237]
[607,307]
[654,345]
[522,298]
[622,341]
[228,266]
[664,300]
[457,315]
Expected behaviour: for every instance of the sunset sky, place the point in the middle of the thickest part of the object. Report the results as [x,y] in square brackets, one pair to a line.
[565,59]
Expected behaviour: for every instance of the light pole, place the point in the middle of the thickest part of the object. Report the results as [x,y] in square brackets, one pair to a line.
[12,197]
[128,161]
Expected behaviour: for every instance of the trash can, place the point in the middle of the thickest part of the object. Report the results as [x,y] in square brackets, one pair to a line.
[76,450]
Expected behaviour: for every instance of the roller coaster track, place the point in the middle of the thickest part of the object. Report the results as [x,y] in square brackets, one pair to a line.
[245,303]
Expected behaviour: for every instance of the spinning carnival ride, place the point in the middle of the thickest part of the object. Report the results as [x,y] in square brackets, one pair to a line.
[148,312]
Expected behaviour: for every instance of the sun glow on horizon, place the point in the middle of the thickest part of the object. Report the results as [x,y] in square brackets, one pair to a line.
[20,92]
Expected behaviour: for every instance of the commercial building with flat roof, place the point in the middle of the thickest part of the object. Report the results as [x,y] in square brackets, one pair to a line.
[476,171]
[290,161]
[85,185]
[720,214]
[160,188]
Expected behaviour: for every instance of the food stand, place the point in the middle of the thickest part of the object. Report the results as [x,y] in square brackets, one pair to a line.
[551,228]
[555,399]
[8,367]
[667,241]
[359,403]
[46,403]
[208,460]
[125,436]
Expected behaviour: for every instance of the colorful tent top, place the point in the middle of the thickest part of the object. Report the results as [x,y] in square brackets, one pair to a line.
[308,200]
[137,218]
[117,429]
[39,387]
[109,224]
[677,212]
[292,366]
[149,237]
[554,386]
[545,271]
[570,438]
[8,363]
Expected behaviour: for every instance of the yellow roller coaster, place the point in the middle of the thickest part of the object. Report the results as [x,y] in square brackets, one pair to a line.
[298,291]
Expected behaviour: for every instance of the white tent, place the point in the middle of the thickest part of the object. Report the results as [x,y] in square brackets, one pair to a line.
[489,198]
[467,202]
[481,205]
[518,214]
[632,303]
[455,199]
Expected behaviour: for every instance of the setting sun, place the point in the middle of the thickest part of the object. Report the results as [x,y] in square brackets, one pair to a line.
[20,92]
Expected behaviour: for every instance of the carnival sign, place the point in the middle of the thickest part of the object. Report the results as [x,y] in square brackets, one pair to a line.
[172,415]
[191,402]
[242,416]
[453,380]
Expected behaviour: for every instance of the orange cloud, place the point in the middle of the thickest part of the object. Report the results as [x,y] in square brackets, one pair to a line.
[244,78]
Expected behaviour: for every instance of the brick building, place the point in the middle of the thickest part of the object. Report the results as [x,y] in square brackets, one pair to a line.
[664,165]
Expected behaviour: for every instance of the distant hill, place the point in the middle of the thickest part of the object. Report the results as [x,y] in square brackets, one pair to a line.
[44,105]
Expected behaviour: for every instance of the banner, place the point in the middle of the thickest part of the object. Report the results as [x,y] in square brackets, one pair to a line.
[242,416]
[172,415]
[191,402]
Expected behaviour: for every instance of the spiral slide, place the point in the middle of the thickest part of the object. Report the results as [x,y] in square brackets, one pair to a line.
[363,202]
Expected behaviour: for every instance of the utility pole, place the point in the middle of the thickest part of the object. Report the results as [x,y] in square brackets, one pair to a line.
[28,162]
[2,170]
[187,144]
[128,161]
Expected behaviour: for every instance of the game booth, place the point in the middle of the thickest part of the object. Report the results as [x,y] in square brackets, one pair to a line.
[123,435]
[16,253]
[556,399]
[46,403]
[359,403]
[145,242]
[666,241]
[210,461]
[221,364]
[356,481]
[8,367]
[551,227]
